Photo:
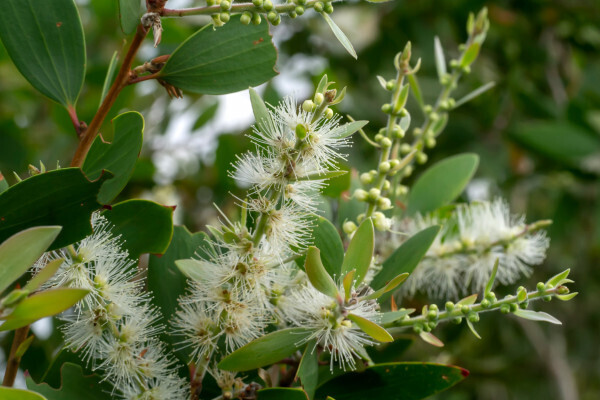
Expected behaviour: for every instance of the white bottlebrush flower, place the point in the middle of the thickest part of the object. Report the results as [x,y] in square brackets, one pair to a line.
[463,254]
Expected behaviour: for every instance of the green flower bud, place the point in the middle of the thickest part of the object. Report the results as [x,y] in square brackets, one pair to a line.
[485,303]
[267,5]
[417,132]
[257,3]
[540,287]
[246,18]
[418,328]
[421,158]
[427,109]
[386,108]
[374,193]
[465,309]
[308,105]
[366,178]
[380,222]
[293,14]
[225,5]
[272,17]
[398,132]
[386,185]
[401,190]
[301,131]
[505,308]
[319,98]
[329,113]
[299,10]
[318,6]
[384,203]
[256,18]
[430,142]
[224,16]
[386,142]
[432,314]
[405,148]
[349,227]
[449,306]
[360,195]
[360,217]
[390,85]
[384,166]
[379,137]
[328,8]
[457,320]
[408,170]
[473,317]
[547,298]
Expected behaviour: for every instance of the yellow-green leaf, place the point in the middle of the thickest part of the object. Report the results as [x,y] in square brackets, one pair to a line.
[317,275]
[371,328]
[360,251]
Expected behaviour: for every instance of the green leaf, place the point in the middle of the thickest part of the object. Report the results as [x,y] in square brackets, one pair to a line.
[558,279]
[470,96]
[7,393]
[110,72]
[360,251]
[337,182]
[392,316]
[75,385]
[130,12]
[347,283]
[265,350]
[394,381]
[415,89]
[440,60]
[472,329]
[490,282]
[190,268]
[537,316]
[42,304]
[43,275]
[62,197]
[3,183]
[430,338]
[441,183]
[260,110]
[308,370]
[470,54]
[341,37]
[22,250]
[391,285]
[222,60]
[144,226]
[317,274]
[327,239]
[391,352]
[206,115]
[323,84]
[406,257]
[347,129]
[467,301]
[46,44]
[281,394]
[378,1]
[118,157]
[371,328]
[560,141]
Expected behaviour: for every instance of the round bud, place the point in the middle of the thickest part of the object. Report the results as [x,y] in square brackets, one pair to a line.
[256,18]
[465,309]
[417,132]
[405,148]
[257,3]
[319,98]
[301,131]
[457,320]
[390,85]
[224,17]
[418,328]
[381,223]
[432,314]
[328,8]
[308,105]
[267,5]
[386,185]
[384,166]
[349,227]
[505,308]
[384,203]
[540,286]
[386,108]
[225,5]
[485,303]
[386,142]
[398,132]
[329,113]
[434,307]
[547,298]
[360,218]
[427,109]
[293,14]
[299,10]
[430,142]
[379,137]
[360,195]
[318,6]
[408,170]
[523,305]
[366,178]
[374,193]
[401,190]
[473,317]
[449,306]
[272,16]
[246,18]
[421,158]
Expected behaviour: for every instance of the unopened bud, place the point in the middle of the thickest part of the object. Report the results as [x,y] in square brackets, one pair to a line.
[318,6]
[384,203]
[329,113]
[386,142]
[257,3]
[384,166]
[421,158]
[381,223]
[246,18]
[366,178]
[301,131]
[225,17]
[374,193]
[360,195]
[319,98]
[299,10]
[405,148]
[308,105]
[349,227]
[328,8]
[267,5]
[256,19]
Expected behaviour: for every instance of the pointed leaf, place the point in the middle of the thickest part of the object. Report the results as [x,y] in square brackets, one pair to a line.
[308,370]
[467,301]
[260,110]
[382,82]
[22,250]
[347,282]
[441,183]
[440,59]
[118,157]
[490,283]
[323,84]
[144,226]
[470,96]
[537,316]
[341,37]
[391,285]
[470,54]
[472,328]
[74,385]
[43,275]
[360,251]
[46,44]
[222,60]
[327,239]
[348,129]
[110,72]
[130,12]
[265,350]
[278,393]
[406,257]
[317,274]
[7,393]
[430,338]
[42,304]
[371,328]
[392,316]
[558,279]
[191,268]
[415,89]
[566,297]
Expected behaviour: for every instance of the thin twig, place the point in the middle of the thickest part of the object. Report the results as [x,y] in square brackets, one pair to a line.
[14,360]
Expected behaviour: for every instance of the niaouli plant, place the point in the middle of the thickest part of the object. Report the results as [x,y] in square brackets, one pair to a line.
[275,285]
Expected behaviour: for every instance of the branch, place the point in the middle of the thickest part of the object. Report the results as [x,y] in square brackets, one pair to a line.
[14,359]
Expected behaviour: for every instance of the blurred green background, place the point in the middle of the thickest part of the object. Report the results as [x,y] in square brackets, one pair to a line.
[537,133]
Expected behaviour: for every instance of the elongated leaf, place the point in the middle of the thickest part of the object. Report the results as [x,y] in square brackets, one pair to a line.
[394,381]
[371,328]
[490,283]
[470,96]
[470,54]
[46,44]
[260,110]
[391,285]
[360,251]
[415,89]
[347,283]
[348,129]
[472,329]
[406,257]
[144,226]
[341,37]
[191,269]
[430,338]
[222,60]
[441,183]
[20,251]
[118,157]
[467,301]
[7,393]
[42,304]
[43,275]
[62,197]
[392,316]
[317,274]
[537,316]
[74,386]
[327,239]
[308,370]
[281,393]
[130,12]
[110,72]
[558,279]
[440,59]
[266,350]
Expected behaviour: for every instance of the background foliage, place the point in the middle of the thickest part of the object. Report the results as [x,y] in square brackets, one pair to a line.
[537,134]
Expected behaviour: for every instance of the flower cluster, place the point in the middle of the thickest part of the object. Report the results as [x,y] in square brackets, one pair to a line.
[114,327]
[472,238]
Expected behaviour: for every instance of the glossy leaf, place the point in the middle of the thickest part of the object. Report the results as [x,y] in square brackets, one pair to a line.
[345,130]
[62,197]
[278,393]
[74,385]
[360,251]
[371,328]
[394,381]
[317,274]
[391,352]
[130,12]
[537,316]
[144,226]
[22,250]
[441,183]
[391,285]
[43,275]
[47,45]
[406,257]
[265,350]
[341,36]
[118,157]
[222,60]
[7,393]
[347,283]
[110,72]
[260,110]
[42,304]
[308,370]
[327,239]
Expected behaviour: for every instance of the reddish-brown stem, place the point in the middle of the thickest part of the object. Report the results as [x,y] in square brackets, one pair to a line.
[143,78]
[79,126]
[120,82]
[12,366]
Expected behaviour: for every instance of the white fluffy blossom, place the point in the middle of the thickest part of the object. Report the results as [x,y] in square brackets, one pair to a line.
[463,254]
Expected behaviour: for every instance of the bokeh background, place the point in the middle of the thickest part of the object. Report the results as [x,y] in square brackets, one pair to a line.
[537,133]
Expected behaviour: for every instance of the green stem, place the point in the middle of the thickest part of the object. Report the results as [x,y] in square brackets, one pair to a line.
[235,9]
